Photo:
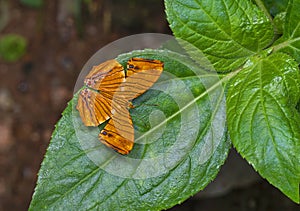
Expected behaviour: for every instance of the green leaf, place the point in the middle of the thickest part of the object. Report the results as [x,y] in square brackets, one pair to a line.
[263,122]
[290,41]
[12,47]
[180,145]
[33,3]
[279,21]
[227,32]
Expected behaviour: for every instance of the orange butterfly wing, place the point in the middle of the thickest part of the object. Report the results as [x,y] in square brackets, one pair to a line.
[112,100]
[106,77]
[141,75]
[119,132]
[94,107]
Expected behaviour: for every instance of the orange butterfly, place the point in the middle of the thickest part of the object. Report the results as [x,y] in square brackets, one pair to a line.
[108,94]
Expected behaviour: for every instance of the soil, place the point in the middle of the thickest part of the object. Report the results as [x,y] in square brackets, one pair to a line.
[35,90]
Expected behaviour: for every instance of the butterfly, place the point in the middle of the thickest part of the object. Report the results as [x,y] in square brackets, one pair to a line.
[107,95]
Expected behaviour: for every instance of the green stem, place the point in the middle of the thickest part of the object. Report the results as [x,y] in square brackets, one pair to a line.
[261,5]
[284,44]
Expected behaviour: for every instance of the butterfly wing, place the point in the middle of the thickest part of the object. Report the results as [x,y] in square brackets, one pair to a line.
[119,132]
[135,65]
[106,77]
[112,100]
[94,107]
[140,76]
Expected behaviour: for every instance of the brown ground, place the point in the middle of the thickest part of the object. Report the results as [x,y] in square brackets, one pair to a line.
[34,91]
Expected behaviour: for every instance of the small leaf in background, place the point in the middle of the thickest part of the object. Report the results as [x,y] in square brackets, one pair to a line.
[276,6]
[263,121]
[180,145]
[290,41]
[33,3]
[12,47]
[279,21]
[227,32]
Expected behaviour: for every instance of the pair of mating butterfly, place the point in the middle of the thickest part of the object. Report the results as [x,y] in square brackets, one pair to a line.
[107,97]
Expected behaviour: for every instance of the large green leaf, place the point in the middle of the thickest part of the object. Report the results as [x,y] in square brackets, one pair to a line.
[227,32]
[181,144]
[263,121]
[290,41]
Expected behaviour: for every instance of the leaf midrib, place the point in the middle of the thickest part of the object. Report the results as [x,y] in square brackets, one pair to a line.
[207,91]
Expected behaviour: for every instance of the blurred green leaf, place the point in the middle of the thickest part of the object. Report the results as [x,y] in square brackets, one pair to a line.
[12,47]
[276,6]
[33,3]
[290,40]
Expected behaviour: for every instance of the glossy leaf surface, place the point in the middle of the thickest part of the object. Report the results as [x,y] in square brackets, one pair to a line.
[227,32]
[179,147]
[263,121]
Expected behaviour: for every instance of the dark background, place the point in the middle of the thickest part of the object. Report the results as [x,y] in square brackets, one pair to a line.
[61,37]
